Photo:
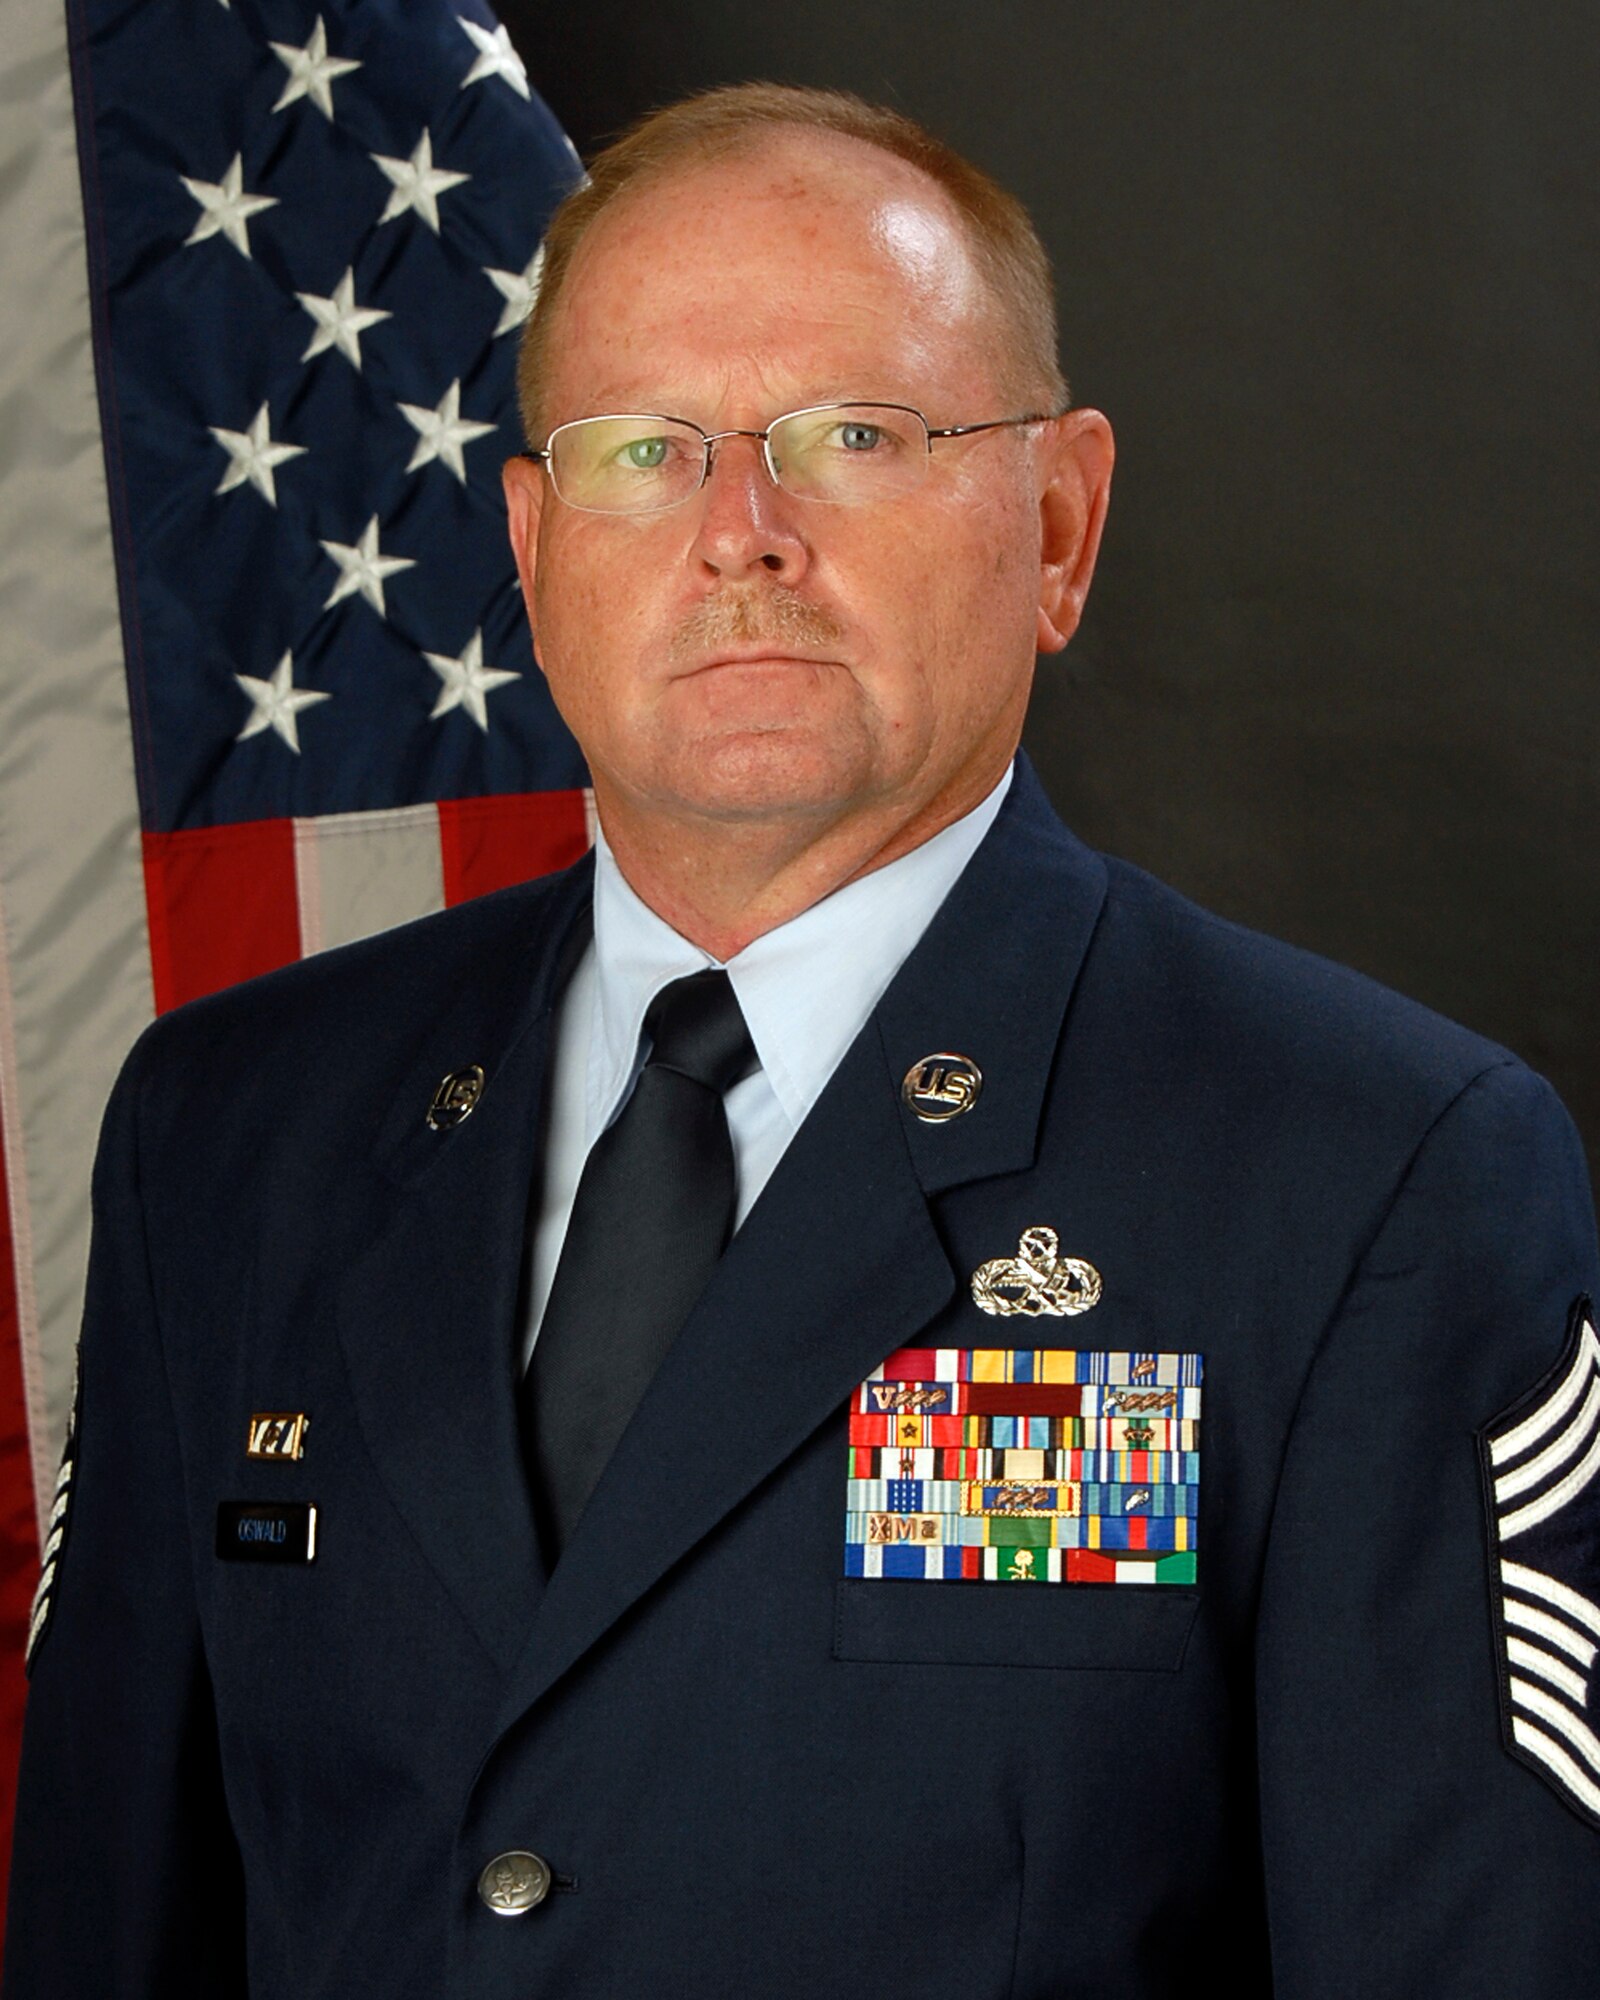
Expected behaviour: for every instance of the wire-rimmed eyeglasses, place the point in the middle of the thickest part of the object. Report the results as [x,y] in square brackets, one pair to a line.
[844,454]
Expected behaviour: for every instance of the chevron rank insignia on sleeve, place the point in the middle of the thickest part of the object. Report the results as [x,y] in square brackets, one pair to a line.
[1541,1463]
[55,1535]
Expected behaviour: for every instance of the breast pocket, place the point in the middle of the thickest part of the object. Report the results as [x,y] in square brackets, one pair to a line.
[1027,1506]
[1084,1627]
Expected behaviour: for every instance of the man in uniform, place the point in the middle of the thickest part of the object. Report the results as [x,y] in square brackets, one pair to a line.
[1061,1442]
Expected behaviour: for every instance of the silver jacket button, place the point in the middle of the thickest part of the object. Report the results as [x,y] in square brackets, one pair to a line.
[514,1883]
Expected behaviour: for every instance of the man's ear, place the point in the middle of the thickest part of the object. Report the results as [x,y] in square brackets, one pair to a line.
[524,485]
[1076,459]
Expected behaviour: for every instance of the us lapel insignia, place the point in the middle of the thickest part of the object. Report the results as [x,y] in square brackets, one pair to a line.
[1541,1467]
[1038,1280]
[941,1087]
[456,1098]
[1026,1465]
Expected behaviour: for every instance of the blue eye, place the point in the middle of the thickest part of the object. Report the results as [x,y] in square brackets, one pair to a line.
[645,454]
[860,437]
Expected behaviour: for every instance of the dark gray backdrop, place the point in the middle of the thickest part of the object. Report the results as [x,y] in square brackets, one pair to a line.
[1331,270]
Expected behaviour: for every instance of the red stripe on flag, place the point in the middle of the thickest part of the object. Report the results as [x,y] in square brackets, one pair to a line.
[490,843]
[19,1534]
[223,906]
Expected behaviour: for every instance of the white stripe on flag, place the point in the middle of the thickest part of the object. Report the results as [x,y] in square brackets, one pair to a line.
[71,874]
[357,873]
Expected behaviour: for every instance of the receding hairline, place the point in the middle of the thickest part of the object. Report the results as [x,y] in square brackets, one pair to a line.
[740,120]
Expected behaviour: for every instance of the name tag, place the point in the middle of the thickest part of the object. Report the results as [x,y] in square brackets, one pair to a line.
[267,1531]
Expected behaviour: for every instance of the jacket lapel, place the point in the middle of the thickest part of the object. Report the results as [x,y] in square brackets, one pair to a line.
[839,1262]
[428,1308]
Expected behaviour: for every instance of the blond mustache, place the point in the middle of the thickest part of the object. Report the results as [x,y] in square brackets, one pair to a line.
[755,619]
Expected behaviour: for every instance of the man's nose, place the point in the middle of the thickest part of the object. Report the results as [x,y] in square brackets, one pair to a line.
[747,522]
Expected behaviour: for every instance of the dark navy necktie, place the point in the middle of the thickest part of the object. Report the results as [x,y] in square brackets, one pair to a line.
[653,1213]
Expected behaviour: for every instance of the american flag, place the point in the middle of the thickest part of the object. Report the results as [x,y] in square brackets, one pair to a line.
[265,680]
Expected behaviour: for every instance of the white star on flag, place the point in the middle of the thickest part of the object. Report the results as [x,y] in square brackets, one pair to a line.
[311,71]
[496,57]
[276,703]
[442,432]
[225,208]
[467,681]
[519,289]
[418,183]
[363,568]
[340,321]
[252,456]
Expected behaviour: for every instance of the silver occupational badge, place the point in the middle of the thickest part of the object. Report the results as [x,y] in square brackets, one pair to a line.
[1037,1280]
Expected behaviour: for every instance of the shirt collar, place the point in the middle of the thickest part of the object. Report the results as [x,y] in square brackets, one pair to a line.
[806,988]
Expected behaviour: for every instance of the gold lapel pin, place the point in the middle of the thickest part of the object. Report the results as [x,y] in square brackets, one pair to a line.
[456,1098]
[278,1434]
[941,1087]
[1037,1280]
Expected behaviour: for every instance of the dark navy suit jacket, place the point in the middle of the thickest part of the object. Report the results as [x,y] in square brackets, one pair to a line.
[751,1774]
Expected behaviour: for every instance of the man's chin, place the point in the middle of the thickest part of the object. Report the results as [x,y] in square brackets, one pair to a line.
[775,773]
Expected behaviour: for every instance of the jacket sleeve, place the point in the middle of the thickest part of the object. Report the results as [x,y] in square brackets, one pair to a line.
[1408,1850]
[126,1882]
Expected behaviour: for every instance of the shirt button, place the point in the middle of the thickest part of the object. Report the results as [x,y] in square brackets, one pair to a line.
[514,1883]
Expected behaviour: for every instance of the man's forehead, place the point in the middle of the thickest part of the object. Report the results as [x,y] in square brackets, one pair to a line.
[804,179]
[796,236]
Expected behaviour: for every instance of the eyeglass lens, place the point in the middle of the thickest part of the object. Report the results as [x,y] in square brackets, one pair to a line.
[849,454]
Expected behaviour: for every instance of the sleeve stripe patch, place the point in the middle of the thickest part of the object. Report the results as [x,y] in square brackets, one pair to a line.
[1534,1701]
[1570,1774]
[1540,1461]
[1558,1492]
[1545,1627]
[1535,1660]
[1585,1363]
[41,1609]
[1555,1498]
[1534,1471]
[1534,1583]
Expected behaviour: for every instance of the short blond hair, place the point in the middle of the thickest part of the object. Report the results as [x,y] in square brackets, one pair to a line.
[717,123]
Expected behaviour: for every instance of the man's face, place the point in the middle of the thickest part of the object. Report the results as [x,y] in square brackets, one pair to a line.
[749,655]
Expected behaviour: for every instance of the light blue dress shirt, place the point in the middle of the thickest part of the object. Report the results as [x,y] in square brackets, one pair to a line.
[806,989]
